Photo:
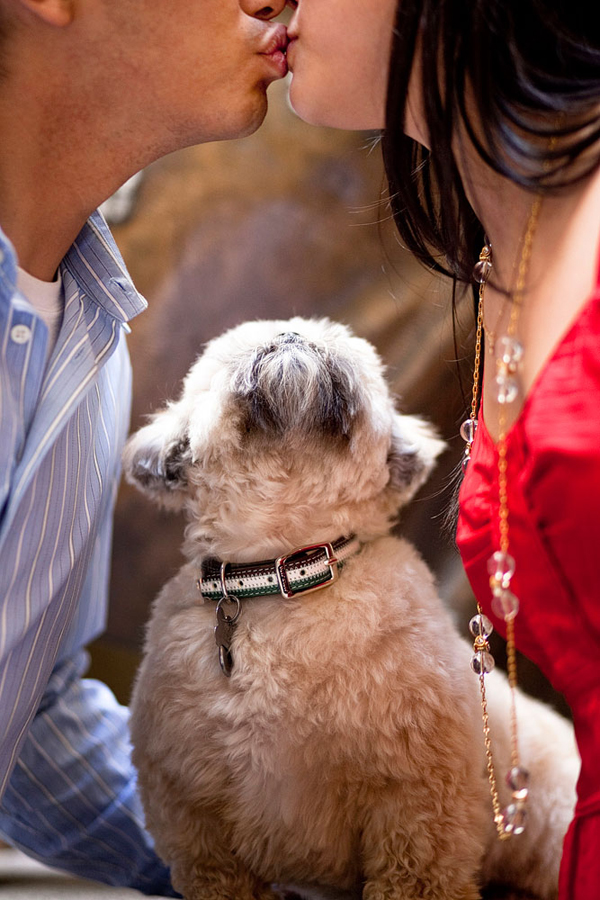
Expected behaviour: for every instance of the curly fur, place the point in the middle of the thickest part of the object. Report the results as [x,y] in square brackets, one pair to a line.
[344,755]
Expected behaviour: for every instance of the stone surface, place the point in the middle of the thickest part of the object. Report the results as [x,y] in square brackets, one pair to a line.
[24,879]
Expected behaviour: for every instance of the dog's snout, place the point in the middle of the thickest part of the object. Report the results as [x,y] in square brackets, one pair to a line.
[289,337]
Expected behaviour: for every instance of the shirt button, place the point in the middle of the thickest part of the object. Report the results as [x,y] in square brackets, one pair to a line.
[20,334]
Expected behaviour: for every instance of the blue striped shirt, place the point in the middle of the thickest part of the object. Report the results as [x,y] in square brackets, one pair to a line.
[66,780]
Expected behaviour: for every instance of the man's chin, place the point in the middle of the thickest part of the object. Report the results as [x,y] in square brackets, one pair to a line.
[234,123]
[249,119]
[256,121]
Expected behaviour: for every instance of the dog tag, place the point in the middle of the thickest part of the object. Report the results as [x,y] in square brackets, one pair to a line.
[224,630]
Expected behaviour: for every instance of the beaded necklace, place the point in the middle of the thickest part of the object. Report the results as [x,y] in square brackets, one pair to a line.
[501,565]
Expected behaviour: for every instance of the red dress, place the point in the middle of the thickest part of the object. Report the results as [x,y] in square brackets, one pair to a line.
[553,453]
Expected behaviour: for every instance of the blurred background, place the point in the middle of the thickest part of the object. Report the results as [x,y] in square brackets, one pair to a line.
[291,220]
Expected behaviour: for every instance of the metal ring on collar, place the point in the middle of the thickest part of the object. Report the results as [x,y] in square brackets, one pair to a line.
[231,598]
[228,598]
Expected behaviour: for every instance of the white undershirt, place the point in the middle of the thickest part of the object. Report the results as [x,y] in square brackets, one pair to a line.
[47,299]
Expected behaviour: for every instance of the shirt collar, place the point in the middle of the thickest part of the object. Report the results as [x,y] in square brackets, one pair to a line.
[8,267]
[98,268]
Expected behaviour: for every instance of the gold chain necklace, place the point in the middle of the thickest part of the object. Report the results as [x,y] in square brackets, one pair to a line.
[501,566]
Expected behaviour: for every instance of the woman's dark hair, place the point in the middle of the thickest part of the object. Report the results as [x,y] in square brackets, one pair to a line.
[515,73]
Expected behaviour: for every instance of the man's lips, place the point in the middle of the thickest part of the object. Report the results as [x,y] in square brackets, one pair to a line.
[276,41]
[274,48]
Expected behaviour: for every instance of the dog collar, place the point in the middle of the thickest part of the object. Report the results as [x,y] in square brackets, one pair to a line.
[301,571]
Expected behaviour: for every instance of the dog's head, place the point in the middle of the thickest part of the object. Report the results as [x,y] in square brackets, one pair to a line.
[285,433]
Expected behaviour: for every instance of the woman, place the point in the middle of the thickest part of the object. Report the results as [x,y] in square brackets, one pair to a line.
[491,117]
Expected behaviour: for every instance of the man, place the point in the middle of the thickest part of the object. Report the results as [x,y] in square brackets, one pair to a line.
[91,91]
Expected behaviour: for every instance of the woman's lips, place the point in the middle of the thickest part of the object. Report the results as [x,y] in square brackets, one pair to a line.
[291,48]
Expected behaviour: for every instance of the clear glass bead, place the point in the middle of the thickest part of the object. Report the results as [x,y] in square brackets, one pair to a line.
[509,351]
[517,778]
[481,270]
[505,605]
[468,429]
[507,388]
[482,663]
[466,459]
[501,567]
[480,626]
[514,817]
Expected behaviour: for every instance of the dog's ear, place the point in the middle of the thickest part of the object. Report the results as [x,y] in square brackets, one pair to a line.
[413,451]
[156,459]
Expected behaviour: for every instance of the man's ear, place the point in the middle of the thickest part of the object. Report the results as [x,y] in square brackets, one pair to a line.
[54,12]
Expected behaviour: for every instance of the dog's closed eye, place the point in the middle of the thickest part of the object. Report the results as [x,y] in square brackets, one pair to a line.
[413,450]
[175,464]
[404,467]
[156,471]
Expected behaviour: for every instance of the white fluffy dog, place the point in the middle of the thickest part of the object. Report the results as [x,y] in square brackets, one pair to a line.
[330,739]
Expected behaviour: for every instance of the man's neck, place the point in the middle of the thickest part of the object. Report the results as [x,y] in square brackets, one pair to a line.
[40,232]
[54,171]
[45,200]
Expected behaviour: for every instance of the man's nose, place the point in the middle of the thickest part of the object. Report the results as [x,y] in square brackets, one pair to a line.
[260,10]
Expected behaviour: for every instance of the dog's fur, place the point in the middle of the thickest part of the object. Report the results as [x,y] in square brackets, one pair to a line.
[345,754]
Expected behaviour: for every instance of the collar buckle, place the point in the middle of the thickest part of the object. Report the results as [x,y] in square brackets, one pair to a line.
[285,587]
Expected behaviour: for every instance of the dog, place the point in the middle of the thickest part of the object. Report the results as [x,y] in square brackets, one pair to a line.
[305,714]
